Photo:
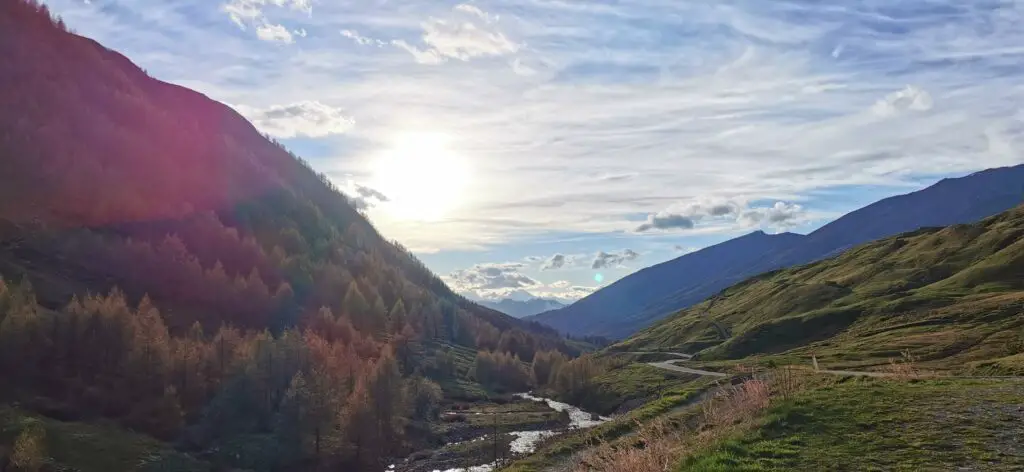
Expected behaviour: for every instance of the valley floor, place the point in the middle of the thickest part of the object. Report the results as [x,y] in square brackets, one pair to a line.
[894,420]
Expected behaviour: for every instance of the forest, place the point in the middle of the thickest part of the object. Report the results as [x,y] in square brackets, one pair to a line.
[169,268]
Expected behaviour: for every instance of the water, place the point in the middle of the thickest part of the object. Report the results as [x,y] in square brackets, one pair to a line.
[526,442]
[578,419]
[476,468]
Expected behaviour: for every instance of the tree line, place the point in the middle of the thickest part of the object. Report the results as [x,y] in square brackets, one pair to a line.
[325,396]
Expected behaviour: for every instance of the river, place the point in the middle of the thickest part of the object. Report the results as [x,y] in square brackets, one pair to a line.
[526,442]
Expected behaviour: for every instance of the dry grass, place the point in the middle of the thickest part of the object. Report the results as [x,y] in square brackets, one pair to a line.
[736,404]
[657,450]
[659,447]
[904,369]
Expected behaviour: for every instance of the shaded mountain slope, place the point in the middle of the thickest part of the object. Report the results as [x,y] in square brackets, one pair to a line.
[96,155]
[650,294]
[165,268]
[954,294]
[611,310]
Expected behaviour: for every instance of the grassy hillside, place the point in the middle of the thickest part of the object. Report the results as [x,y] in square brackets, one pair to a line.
[951,296]
[880,425]
[937,315]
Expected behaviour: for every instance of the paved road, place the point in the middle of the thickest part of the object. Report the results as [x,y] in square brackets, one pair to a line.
[683,357]
[680,355]
[855,373]
[671,364]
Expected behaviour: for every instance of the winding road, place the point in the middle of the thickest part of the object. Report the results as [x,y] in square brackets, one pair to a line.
[672,366]
[683,357]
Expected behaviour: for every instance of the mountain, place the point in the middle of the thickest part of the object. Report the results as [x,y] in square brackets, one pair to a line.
[101,154]
[523,308]
[640,299]
[167,268]
[952,296]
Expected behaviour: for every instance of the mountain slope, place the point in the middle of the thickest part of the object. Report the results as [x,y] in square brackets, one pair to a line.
[606,310]
[650,294]
[523,308]
[96,146]
[167,269]
[953,294]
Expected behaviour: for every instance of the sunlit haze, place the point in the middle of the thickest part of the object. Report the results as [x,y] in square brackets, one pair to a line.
[421,177]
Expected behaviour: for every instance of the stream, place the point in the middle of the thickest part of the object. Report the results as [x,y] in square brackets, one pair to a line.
[526,441]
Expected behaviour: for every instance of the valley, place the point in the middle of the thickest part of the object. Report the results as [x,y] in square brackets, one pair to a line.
[181,292]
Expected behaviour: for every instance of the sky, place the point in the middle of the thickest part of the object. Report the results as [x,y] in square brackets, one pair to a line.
[551,147]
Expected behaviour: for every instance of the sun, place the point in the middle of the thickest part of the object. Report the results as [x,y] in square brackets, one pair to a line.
[422,176]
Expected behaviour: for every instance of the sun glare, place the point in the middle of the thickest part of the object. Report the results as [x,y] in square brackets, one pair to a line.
[422,176]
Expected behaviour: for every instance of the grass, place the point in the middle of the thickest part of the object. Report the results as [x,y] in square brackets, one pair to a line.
[518,416]
[1010,365]
[676,408]
[921,307]
[861,424]
[660,444]
[95,447]
[629,386]
[953,297]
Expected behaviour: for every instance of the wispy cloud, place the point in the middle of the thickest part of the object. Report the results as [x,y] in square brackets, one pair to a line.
[465,34]
[310,118]
[589,117]
[360,39]
[251,13]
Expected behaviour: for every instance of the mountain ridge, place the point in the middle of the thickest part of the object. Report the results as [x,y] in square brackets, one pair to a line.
[523,308]
[623,307]
[930,290]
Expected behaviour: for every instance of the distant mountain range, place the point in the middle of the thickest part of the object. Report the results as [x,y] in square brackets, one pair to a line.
[648,295]
[523,308]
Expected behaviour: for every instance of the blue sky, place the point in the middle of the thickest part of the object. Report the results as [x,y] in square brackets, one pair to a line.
[552,146]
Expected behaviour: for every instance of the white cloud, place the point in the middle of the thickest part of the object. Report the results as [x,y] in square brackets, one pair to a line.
[490,280]
[463,37]
[307,118]
[557,261]
[725,214]
[604,260]
[361,197]
[274,33]
[251,13]
[360,39]
[910,98]
[474,10]
[567,294]
[780,215]
[666,221]
[495,282]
